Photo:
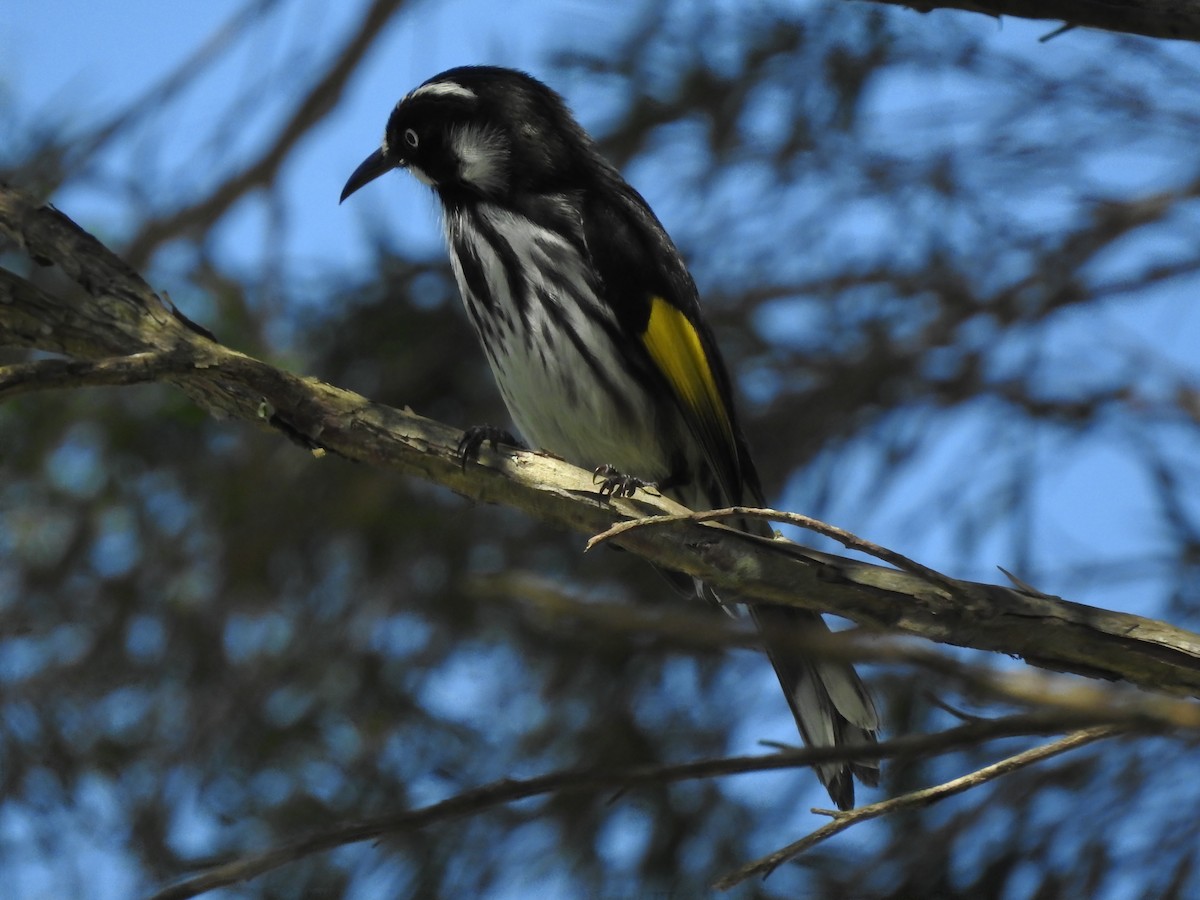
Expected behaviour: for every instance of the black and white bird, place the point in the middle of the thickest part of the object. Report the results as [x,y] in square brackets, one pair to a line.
[593,329]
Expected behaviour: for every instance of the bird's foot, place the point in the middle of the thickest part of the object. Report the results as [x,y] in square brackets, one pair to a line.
[478,435]
[614,483]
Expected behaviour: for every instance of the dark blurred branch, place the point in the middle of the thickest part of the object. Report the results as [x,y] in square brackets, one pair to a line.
[1057,276]
[117,314]
[315,105]
[510,790]
[547,606]
[1177,19]
[917,799]
[185,74]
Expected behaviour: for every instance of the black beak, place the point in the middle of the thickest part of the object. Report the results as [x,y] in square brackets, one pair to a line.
[372,167]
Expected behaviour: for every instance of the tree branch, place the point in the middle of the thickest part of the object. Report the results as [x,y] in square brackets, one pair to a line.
[49,374]
[510,790]
[847,539]
[1074,701]
[116,314]
[924,797]
[1175,19]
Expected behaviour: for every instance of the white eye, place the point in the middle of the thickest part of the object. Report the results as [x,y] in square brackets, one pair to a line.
[410,137]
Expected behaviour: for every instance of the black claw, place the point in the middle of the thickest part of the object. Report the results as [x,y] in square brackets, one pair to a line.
[614,483]
[478,435]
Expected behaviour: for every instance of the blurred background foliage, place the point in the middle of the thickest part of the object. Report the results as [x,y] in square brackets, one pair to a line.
[958,327]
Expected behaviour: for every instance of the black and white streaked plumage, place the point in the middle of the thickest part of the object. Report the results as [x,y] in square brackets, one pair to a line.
[593,329]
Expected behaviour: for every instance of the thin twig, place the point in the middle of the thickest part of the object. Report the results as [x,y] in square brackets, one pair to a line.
[845,538]
[510,790]
[1025,586]
[1063,29]
[842,820]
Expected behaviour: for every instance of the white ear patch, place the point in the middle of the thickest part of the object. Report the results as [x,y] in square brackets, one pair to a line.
[482,155]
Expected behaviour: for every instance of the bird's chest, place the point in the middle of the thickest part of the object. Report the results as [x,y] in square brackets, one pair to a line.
[554,346]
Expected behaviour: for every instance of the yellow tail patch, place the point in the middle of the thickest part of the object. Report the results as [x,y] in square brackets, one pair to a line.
[676,349]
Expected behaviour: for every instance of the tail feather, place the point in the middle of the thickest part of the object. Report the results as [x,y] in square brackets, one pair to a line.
[847,693]
[829,701]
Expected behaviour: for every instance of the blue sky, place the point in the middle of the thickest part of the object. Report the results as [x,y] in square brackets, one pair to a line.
[99,57]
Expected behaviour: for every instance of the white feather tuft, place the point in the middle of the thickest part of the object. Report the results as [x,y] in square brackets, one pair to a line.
[482,155]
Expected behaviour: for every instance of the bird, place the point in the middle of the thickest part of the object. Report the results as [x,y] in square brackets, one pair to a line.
[593,328]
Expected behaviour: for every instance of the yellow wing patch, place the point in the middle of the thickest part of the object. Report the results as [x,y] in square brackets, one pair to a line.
[676,349]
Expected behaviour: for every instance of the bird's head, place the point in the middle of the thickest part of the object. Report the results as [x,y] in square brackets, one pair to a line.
[480,133]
